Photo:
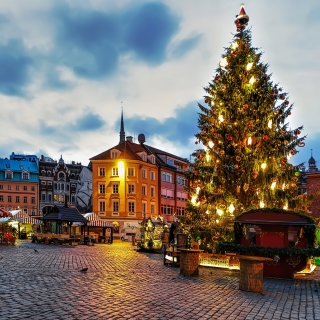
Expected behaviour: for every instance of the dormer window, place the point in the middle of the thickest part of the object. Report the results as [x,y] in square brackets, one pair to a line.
[144,157]
[115,154]
[9,174]
[152,160]
[62,176]
[25,175]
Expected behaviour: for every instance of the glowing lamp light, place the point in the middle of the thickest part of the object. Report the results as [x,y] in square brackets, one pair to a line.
[210,144]
[263,165]
[198,190]
[208,157]
[120,164]
[252,80]
[231,208]
[273,184]
[289,155]
[219,212]
[261,204]
[285,207]
[249,141]
[221,119]
[217,221]
[270,124]
[283,186]
[194,200]
[207,212]
[223,63]
[249,66]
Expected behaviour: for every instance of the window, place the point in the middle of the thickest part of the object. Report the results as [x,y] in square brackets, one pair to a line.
[9,199]
[62,176]
[43,183]
[25,199]
[102,172]
[33,212]
[102,206]
[115,188]
[152,160]
[25,175]
[25,188]
[43,197]
[166,209]
[72,198]
[17,188]
[131,206]
[1,199]
[102,188]
[130,188]
[1,186]
[49,197]
[167,193]
[166,176]
[170,162]
[169,177]
[180,211]
[144,173]
[153,192]
[9,175]
[25,211]
[131,172]
[144,157]
[152,209]
[115,171]
[9,187]
[18,199]
[144,207]
[33,200]
[32,188]
[181,180]
[114,154]
[152,175]
[144,190]
[115,206]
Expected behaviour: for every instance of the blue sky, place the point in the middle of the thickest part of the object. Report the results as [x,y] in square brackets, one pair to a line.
[67,67]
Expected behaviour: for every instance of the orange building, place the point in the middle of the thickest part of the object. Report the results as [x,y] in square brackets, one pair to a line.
[132,181]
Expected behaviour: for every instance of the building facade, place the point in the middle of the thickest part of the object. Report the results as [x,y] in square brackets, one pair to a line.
[19,186]
[133,181]
[57,183]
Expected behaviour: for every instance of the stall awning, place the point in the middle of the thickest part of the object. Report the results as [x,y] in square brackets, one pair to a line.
[19,215]
[96,221]
[4,213]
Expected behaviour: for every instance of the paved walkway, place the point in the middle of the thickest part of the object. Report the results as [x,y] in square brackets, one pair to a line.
[124,284]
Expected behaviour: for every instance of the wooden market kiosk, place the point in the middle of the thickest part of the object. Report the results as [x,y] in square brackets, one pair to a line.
[268,229]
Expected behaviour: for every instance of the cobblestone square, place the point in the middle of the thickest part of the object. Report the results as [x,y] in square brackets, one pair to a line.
[122,283]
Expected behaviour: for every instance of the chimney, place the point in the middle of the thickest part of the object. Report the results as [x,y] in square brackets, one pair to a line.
[129,139]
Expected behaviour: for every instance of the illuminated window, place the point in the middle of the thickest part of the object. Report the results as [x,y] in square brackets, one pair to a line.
[115,171]
[130,172]
[102,188]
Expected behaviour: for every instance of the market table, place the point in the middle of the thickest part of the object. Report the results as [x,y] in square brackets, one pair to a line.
[251,273]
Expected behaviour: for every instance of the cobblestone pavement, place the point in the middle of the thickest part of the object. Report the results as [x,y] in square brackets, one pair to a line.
[122,283]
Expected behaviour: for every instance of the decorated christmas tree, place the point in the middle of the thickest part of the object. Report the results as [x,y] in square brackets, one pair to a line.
[245,142]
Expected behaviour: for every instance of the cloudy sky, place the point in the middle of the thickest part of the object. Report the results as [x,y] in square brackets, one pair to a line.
[67,67]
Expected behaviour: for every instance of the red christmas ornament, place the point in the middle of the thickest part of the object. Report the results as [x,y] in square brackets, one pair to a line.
[289,113]
[286,102]
[216,78]
[206,101]
[229,138]
[296,132]
[249,124]
[283,160]
[245,107]
[265,138]
[272,95]
[282,97]
[196,142]
[241,19]
[214,131]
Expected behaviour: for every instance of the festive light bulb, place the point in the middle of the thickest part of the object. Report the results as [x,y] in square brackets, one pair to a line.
[285,207]
[219,212]
[273,184]
[221,119]
[261,204]
[217,221]
[198,190]
[207,212]
[283,186]
[194,200]
[263,165]
[231,208]
[234,45]
[208,157]
[289,155]
[210,144]
[270,124]
[252,80]
[249,66]
[223,63]
[249,141]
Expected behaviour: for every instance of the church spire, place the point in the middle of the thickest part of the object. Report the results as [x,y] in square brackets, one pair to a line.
[122,133]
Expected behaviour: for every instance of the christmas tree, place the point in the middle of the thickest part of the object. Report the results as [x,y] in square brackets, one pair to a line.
[246,141]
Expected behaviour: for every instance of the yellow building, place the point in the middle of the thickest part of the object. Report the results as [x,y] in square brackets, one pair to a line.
[133,181]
